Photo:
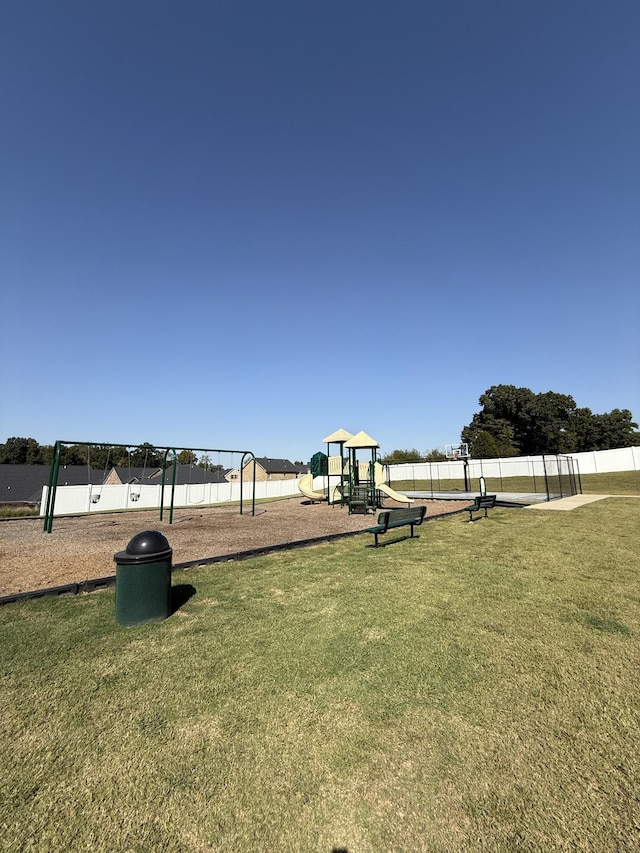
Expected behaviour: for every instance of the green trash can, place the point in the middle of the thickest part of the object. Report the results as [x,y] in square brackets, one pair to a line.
[143,579]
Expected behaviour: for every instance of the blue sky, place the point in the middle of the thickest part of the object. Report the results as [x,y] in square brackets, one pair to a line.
[247,224]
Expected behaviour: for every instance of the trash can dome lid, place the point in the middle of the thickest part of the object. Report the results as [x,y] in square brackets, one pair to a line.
[147,542]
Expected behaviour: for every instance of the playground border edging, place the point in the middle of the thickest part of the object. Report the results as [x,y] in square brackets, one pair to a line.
[96,584]
[102,583]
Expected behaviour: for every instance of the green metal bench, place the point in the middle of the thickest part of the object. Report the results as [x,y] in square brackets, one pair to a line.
[482,502]
[391,519]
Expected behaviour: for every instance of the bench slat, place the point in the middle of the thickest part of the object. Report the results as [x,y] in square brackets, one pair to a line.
[480,502]
[394,518]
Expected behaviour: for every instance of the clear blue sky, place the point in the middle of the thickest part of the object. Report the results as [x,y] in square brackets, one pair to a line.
[247,224]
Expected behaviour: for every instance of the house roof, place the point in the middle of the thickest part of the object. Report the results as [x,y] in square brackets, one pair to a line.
[20,483]
[25,482]
[188,474]
[276,466]
[133,475]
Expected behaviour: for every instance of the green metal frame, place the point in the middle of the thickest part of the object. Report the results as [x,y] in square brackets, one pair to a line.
[343,498]
[354,472]
[55,469]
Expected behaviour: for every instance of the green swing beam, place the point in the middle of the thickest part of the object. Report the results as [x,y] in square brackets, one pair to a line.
[54,471]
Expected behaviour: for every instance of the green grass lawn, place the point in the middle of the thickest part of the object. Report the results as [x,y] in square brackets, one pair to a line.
[614,483]
[473,689]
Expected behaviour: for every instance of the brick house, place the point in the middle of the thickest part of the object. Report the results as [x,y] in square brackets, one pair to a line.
[267,469]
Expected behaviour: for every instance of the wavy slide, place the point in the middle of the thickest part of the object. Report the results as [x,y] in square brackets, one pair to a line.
[305,484]
[381,484]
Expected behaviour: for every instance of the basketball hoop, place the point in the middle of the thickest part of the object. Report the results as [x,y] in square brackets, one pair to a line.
[457,451]
[460,453]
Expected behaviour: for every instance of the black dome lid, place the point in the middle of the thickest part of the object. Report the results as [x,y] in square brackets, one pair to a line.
[148,542]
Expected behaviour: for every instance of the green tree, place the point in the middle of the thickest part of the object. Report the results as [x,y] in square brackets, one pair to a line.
[14,451]
[435,455]
[145,456]
[103,457]
[45,454]
[521,422]
[206,463]
[73,454]
[485,446]
[187,457]
[499,429]
[615,429]
[397,457]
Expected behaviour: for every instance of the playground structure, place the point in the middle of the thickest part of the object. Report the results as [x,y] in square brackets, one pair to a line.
[145,491]
[345,473]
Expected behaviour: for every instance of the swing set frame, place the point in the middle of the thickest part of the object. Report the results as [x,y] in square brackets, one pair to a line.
[246,457]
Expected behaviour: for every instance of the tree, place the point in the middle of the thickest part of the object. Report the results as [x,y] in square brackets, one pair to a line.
[73,454]
[45,454]
[397,457]
[14,451]
[499,429]
[206,463]
[187,457]
[485,446]
[614,430]
[521,422]
[435,455]
[145,456]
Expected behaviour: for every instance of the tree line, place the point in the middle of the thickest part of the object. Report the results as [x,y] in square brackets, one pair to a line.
[517,422]
[512,422]
[27,451]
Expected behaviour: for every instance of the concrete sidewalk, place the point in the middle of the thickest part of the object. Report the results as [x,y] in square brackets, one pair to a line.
[571,502]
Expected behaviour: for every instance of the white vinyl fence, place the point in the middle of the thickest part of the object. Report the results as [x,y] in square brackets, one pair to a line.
[77,500]
[601,461]
[593,462]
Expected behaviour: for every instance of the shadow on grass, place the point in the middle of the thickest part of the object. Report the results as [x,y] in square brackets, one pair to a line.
[180,594]
[383,544]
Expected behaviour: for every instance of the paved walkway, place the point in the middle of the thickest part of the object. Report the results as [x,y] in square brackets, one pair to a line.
[571,502]
[527,501]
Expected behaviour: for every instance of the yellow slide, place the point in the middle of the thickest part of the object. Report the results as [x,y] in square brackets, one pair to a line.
[387,490]
[305,484]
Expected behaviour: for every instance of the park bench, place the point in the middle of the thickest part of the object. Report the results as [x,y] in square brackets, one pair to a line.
[482,502]
[391,519]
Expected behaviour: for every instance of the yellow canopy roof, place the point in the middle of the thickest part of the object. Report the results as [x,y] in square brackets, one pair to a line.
[337,437]
[361,440]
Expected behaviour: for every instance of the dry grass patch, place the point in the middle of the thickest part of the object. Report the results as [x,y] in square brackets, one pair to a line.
[472,689]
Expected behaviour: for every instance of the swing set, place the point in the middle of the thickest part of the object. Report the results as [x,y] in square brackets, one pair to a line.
[169,464]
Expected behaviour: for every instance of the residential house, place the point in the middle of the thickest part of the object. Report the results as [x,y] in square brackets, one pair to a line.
[185,475]
[267,469]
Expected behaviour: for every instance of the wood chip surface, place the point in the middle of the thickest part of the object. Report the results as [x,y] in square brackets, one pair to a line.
[83,548]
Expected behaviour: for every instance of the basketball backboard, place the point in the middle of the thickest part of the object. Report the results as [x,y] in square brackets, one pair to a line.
[457,451]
